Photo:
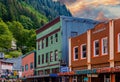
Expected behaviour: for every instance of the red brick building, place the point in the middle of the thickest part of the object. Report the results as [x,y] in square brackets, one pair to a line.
[28,64]
[95,55]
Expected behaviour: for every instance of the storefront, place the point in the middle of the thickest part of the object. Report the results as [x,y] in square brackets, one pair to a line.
[66,76]
[83,75]
[53,78]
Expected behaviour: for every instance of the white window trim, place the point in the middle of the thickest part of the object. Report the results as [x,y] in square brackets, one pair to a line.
[74,52]
[102,46]
[82,51]
[94,48]
[118,42]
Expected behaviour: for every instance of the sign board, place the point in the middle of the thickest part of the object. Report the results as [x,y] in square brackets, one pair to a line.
[92,75]
[64,69]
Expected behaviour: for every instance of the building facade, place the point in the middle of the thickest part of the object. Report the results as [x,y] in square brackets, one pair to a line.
[5,69]
[28,64]
[52,44]
[95,54]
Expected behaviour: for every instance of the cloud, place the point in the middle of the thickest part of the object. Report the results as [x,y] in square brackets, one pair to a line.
[93,8]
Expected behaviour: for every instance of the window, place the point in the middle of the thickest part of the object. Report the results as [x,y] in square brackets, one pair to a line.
[46,57]
[38,45]
[42,44]
[104,46]
[119,42]
[26,67]
[74,34]
[51,39]
[42,58]
[75,53]
[96,48]
[47,42]
[39,59]
[83,51]
[56,37]
[31,65]
[56,55]
[51,56]
[22,68]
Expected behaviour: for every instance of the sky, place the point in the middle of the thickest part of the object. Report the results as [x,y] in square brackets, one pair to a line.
[94,9]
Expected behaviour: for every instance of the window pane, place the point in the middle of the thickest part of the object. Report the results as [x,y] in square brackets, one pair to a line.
[56,55]
[119,42]
[76,53]
[104,45]
[96,50]
[84,51]
[46,57]
[39,59]
[47,42]
[51,56]
[56,37]
[42,58]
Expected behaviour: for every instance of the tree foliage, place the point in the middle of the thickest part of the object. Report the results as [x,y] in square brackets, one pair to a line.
[5,36]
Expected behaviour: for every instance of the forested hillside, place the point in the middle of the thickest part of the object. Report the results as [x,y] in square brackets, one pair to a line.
[20,18]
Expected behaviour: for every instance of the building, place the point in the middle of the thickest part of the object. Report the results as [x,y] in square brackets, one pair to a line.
[28,64]
[5,69]
[94,55]
[52,44]
[17,66]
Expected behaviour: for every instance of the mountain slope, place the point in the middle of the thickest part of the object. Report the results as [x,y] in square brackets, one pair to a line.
[49,8]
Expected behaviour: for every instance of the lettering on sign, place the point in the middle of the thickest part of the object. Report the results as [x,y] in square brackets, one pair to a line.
[97,31]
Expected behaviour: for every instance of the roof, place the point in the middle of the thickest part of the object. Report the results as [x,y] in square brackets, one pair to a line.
[56,20]
[17,62]
[28,53]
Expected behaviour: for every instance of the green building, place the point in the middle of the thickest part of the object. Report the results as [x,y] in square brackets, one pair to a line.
[52,44]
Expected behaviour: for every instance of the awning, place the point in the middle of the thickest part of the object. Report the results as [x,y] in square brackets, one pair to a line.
[38,76]
[66,73]
[53,75]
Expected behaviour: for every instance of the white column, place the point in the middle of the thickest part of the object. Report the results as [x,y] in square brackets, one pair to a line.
[89,48]
[111,43]
[70,54]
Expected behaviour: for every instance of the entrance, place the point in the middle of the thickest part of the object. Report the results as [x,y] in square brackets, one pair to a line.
[117,77]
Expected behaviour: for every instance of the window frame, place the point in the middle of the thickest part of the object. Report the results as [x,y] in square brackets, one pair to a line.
[46,58]
[43,59]
[47,42]
[51,39]
[95,55]
[74,52]
[56,37]
[31,65]
[105,38]
[51,56]
[82,51]
[23,69]
[26,67]
[56,55]
[118,43]
[38,59]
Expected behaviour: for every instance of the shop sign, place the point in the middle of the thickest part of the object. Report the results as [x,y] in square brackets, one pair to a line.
[92,75]
[86,71]
[66,73]
[99,30]
[64,69]
[116,69]
[104,70]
